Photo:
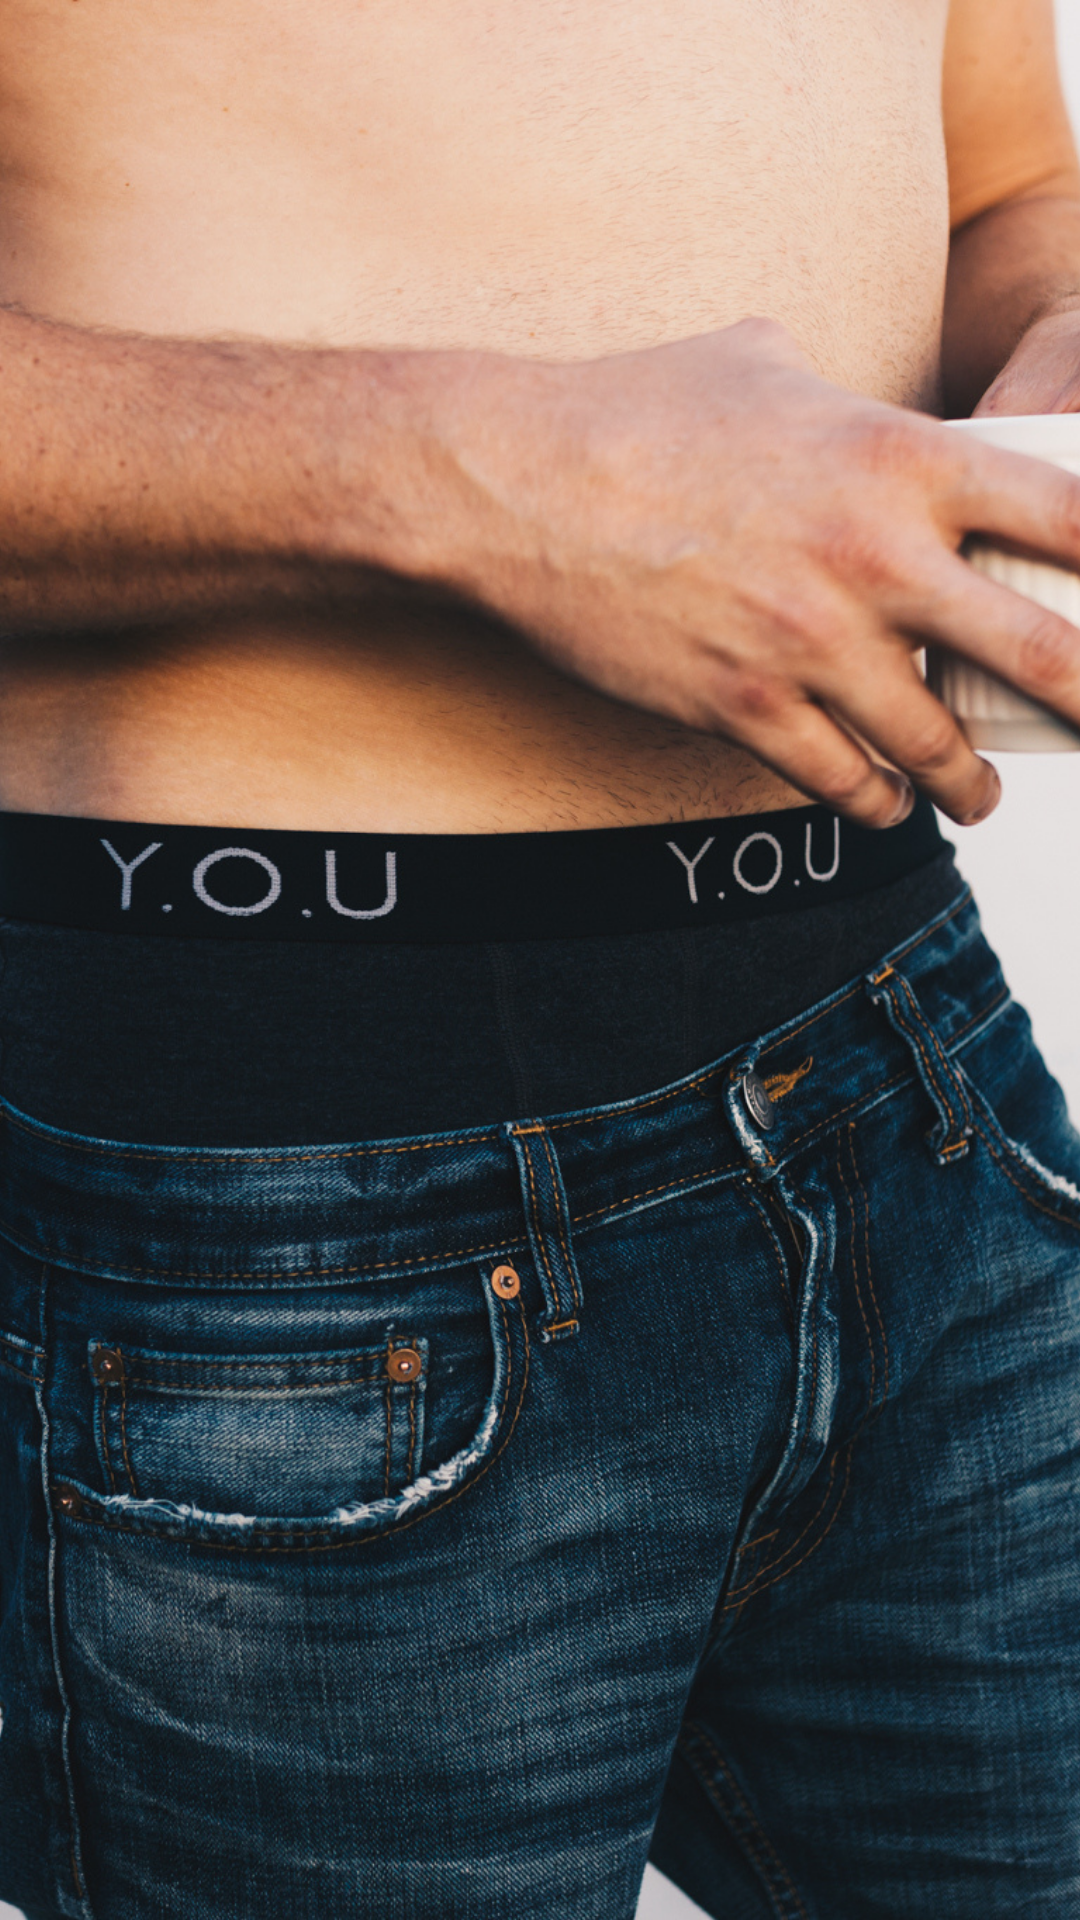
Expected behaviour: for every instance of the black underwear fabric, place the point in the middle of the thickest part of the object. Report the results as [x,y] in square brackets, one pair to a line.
[230,883]
[196,1042]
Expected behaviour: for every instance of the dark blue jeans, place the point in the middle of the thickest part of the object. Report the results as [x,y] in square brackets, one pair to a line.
[436,1528]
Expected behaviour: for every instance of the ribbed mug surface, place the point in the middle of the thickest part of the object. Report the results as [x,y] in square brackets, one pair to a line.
[992,714]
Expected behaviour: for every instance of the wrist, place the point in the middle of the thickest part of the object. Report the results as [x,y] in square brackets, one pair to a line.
[413,443]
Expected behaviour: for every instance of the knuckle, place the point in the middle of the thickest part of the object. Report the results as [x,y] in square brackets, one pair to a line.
[892,443]
[1068,511]
[1048,651]
[933,744]
[844,785]
[758,700]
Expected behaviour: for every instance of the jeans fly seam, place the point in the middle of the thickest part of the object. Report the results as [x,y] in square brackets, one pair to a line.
[328,1543]
[778,1253]
[822,1537]
[734,1592]
[855,1263]
[886,1358]
[774,1876]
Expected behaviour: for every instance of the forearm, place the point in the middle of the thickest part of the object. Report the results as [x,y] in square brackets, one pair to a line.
[144,478]
[1014,266]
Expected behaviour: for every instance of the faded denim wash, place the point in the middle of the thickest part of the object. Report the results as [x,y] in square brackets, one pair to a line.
[736,1524]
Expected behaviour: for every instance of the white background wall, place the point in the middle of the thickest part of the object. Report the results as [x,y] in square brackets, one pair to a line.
[1025,866]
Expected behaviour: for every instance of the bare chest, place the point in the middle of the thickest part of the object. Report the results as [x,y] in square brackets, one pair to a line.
[556,178]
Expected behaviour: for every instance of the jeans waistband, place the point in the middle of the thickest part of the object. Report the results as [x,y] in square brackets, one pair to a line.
[234,1218]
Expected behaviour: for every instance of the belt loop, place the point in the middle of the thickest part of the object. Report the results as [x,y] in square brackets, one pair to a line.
[548,1221]
[950,1137]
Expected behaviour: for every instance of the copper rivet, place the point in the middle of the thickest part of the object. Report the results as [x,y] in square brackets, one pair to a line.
[68,1501]
[404,1364]
[506,1282]
[108,1365]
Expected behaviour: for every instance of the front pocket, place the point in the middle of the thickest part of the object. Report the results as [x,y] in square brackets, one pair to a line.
[297,1452]
[277,1433]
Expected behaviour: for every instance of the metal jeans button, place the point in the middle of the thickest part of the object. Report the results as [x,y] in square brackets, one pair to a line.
[404,1364]
[758,1105]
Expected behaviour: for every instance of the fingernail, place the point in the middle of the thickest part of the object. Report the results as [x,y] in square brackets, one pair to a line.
[993,796]
[905,798]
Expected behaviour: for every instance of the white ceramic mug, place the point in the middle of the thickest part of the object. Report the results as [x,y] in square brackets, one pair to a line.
[990,712]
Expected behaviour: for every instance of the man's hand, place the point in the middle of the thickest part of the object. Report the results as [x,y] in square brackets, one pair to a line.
[711,531]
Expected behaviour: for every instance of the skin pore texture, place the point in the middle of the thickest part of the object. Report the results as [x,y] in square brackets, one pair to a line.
[393,549]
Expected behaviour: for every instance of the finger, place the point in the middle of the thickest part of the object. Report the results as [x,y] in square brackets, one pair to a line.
[806,746]
[897,714]
[1009,496]
[1028,645]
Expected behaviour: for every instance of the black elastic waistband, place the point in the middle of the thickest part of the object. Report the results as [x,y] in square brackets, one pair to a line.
[114,876]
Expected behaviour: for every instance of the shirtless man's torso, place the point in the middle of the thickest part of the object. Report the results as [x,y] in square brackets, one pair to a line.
[538,1257]
[561,184]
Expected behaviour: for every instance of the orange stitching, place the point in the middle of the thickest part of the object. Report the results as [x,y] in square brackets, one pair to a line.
[812,1020]
[21,1373]
[698,1733]
[831,1119]
[817,1543]
[330,1545]
[30,1354]
[797,1542]
[870,1269]
[761,1541]
[561,1326]
[855,1265]
[917,1040]
[954,1085]
[540,1237]
[239,1157]
[779,1085]
[559,1218]
[935,927]
[729,1167]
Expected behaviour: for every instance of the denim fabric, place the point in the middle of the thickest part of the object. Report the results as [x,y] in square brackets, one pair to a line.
[738,1522]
